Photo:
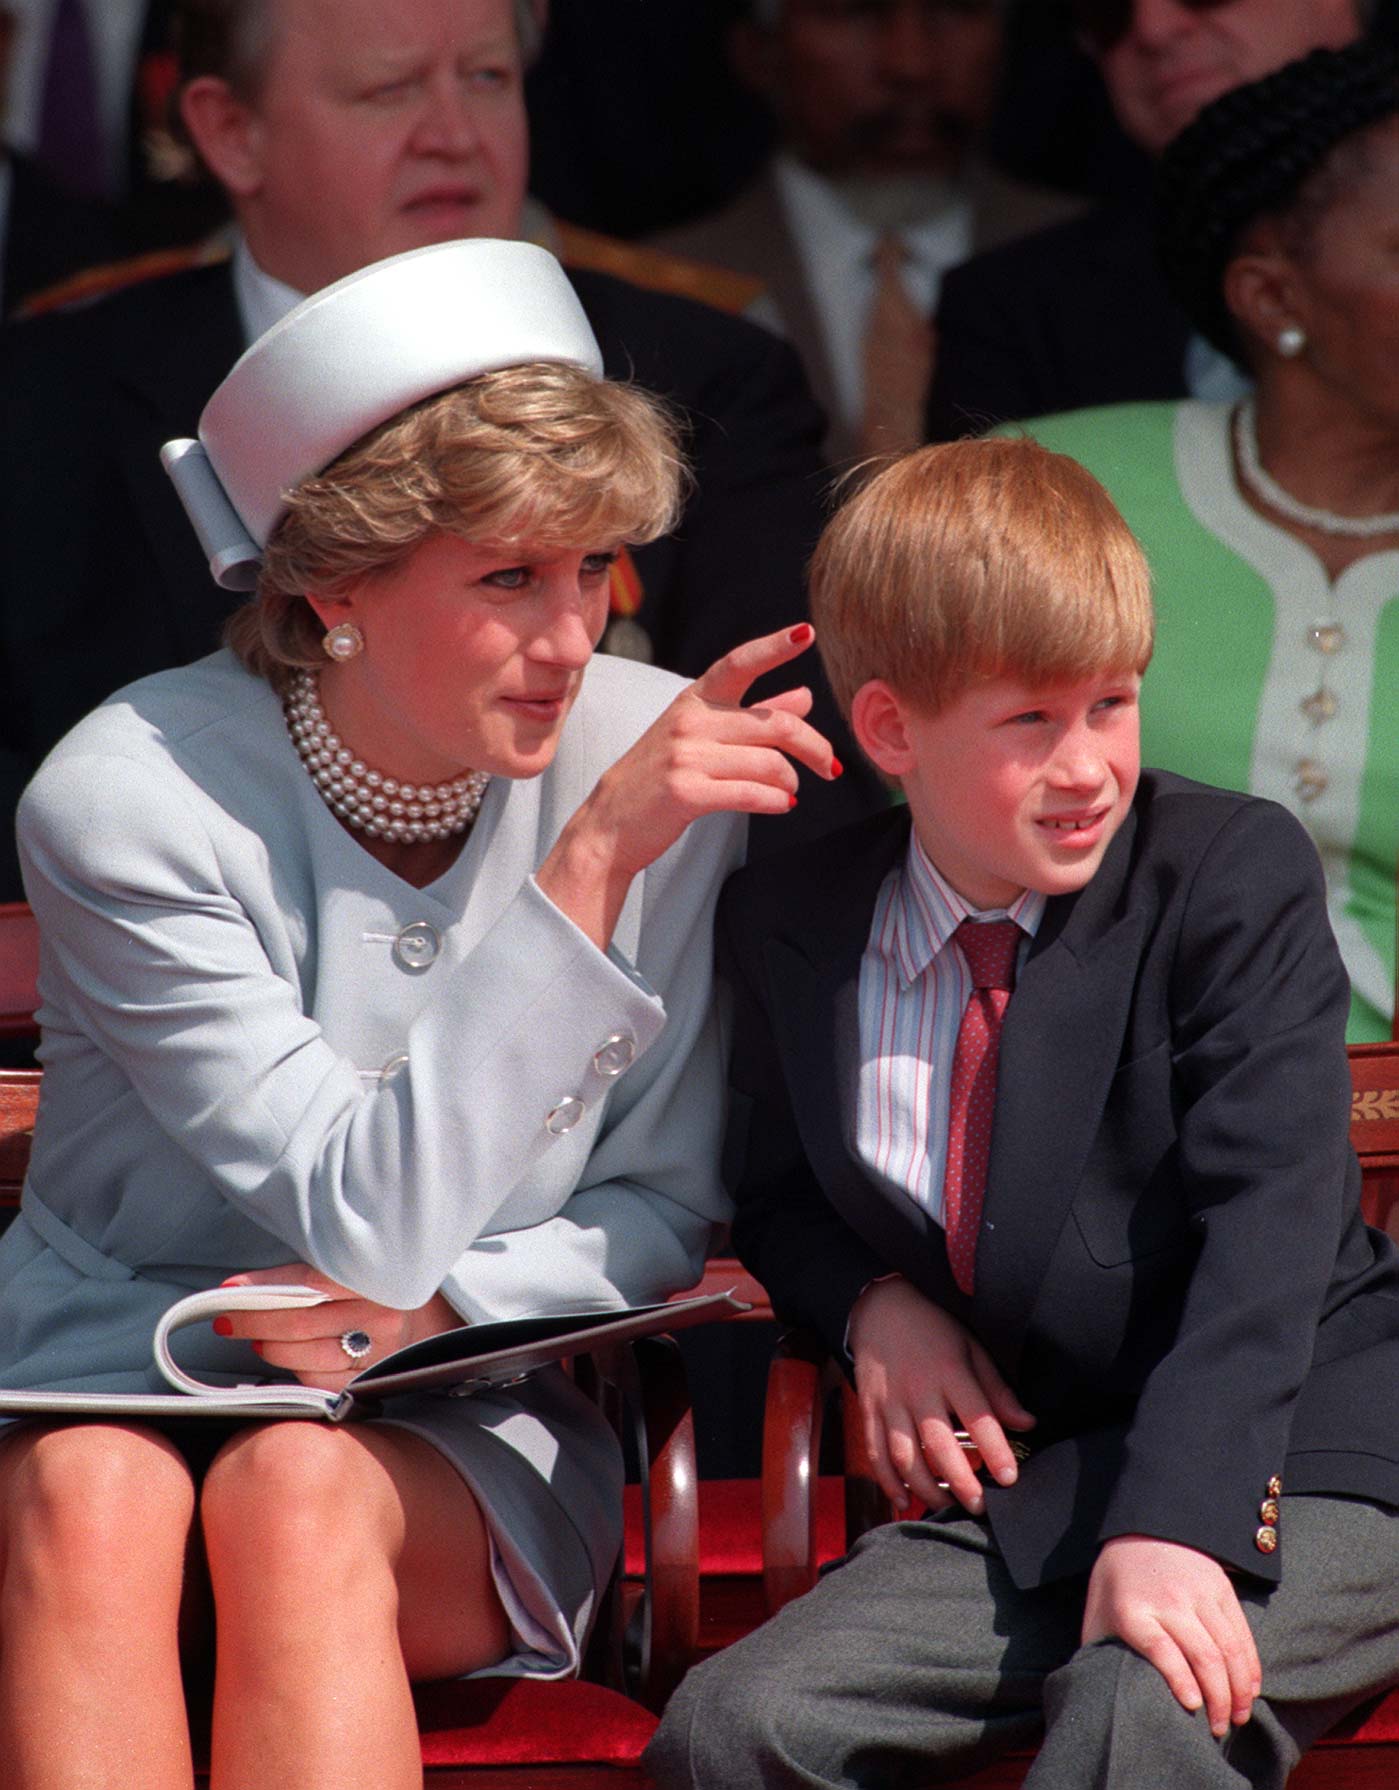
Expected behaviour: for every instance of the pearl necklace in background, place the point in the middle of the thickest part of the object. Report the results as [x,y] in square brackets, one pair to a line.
[1264,486]
[377,805]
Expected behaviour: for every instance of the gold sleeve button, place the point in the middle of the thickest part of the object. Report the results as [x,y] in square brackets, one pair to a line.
[1266,1540]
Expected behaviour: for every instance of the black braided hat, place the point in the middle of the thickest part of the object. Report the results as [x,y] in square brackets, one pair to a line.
[1249,154]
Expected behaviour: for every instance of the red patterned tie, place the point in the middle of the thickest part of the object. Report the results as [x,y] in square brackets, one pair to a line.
[989,947]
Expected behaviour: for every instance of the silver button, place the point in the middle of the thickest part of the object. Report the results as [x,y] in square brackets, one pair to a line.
[393,1068]
[417,945]
[615,1054]
[565,1115]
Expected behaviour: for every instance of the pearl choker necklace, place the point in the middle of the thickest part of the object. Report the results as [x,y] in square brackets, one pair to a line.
[1263,485]
[378,805]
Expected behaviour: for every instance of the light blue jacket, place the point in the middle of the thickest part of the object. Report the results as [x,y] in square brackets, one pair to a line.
[242,1070]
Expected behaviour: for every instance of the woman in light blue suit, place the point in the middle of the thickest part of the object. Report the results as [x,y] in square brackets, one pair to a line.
[423,1018]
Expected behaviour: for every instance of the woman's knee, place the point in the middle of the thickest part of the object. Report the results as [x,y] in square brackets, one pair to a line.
[294,1492]
[96,1502]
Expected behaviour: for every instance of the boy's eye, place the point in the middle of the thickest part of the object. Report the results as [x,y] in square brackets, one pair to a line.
[1029,718]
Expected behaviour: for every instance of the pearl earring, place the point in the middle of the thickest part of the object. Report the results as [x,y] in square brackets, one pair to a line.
[343,641]
[1291,340]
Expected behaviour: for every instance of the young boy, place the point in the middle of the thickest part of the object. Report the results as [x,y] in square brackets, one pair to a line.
[1107,1222]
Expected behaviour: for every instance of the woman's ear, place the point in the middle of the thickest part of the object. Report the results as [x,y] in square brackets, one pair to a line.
[878,719]
[1264,292]
[331,610]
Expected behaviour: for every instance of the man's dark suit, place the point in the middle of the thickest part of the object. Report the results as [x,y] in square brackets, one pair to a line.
[101,579]
[1075,315]
[48,234]
[1172,1272]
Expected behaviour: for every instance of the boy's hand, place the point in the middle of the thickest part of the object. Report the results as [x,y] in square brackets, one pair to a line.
[1177,1608]
[921,1377]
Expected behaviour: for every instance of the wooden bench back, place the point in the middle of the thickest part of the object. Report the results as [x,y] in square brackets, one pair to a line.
[19,1102]
[1374,1125]
[19,969]
[1374,1130]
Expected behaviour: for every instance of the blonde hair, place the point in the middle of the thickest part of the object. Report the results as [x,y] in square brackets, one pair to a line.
[543,455]
[975,560]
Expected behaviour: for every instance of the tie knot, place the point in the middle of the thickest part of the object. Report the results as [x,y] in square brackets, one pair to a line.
[889,255]
[990,947]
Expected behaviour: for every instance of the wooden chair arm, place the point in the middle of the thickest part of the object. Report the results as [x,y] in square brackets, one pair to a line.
[655,1639]
[792,1423]
[806,1389]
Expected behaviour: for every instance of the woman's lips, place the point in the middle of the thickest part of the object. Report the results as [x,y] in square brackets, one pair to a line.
[538,708]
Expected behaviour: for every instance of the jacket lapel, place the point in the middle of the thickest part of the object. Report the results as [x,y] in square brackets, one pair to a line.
[1060,1047]
[814,976]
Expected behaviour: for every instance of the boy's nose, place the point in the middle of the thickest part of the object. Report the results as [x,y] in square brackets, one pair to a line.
[1079,763]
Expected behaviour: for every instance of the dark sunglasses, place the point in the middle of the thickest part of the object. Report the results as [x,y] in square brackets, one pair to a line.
[1106,22]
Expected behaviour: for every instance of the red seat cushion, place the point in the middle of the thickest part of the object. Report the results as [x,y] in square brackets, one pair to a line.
[529,1721]
[1368,1726]
[731,1525]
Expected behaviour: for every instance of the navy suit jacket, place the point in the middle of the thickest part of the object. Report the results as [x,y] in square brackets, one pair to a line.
[102,580]
[1075,315]
[1172,1271]
[49,233]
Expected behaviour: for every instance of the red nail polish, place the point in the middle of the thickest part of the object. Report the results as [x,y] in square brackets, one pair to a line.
[223,1326]
[256,1348]
[837,768]
[802,634]
[791,803]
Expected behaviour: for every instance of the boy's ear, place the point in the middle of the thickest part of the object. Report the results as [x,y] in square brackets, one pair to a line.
[879,722]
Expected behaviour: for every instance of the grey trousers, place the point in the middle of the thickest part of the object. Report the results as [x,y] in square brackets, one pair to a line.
[917,1660]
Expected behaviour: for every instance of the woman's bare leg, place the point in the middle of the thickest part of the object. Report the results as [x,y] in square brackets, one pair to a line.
[93,1525]
[343,1562]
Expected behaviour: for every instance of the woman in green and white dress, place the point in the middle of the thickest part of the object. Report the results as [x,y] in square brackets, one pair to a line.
[1272,526]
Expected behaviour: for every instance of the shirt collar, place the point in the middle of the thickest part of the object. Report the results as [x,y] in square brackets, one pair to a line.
[262,301]
[928,910]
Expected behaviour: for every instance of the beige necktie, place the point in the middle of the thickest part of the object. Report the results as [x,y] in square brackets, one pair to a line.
[898,359]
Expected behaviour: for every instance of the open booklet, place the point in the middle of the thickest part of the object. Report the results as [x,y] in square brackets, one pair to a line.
[457,1361]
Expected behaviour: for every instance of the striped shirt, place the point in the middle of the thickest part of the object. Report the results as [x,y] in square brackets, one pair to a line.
[914,988]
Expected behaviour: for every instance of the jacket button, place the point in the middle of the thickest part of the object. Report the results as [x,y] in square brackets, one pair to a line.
[1269,1510]
[417,946]
[1266,1540]
[615,1054]
[565,1115]
[1275,1487]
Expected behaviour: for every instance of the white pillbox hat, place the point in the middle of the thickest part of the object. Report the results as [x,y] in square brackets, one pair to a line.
[349,358]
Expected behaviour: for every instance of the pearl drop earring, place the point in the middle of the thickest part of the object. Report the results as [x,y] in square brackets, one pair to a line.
[1291,340]
[343,641]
